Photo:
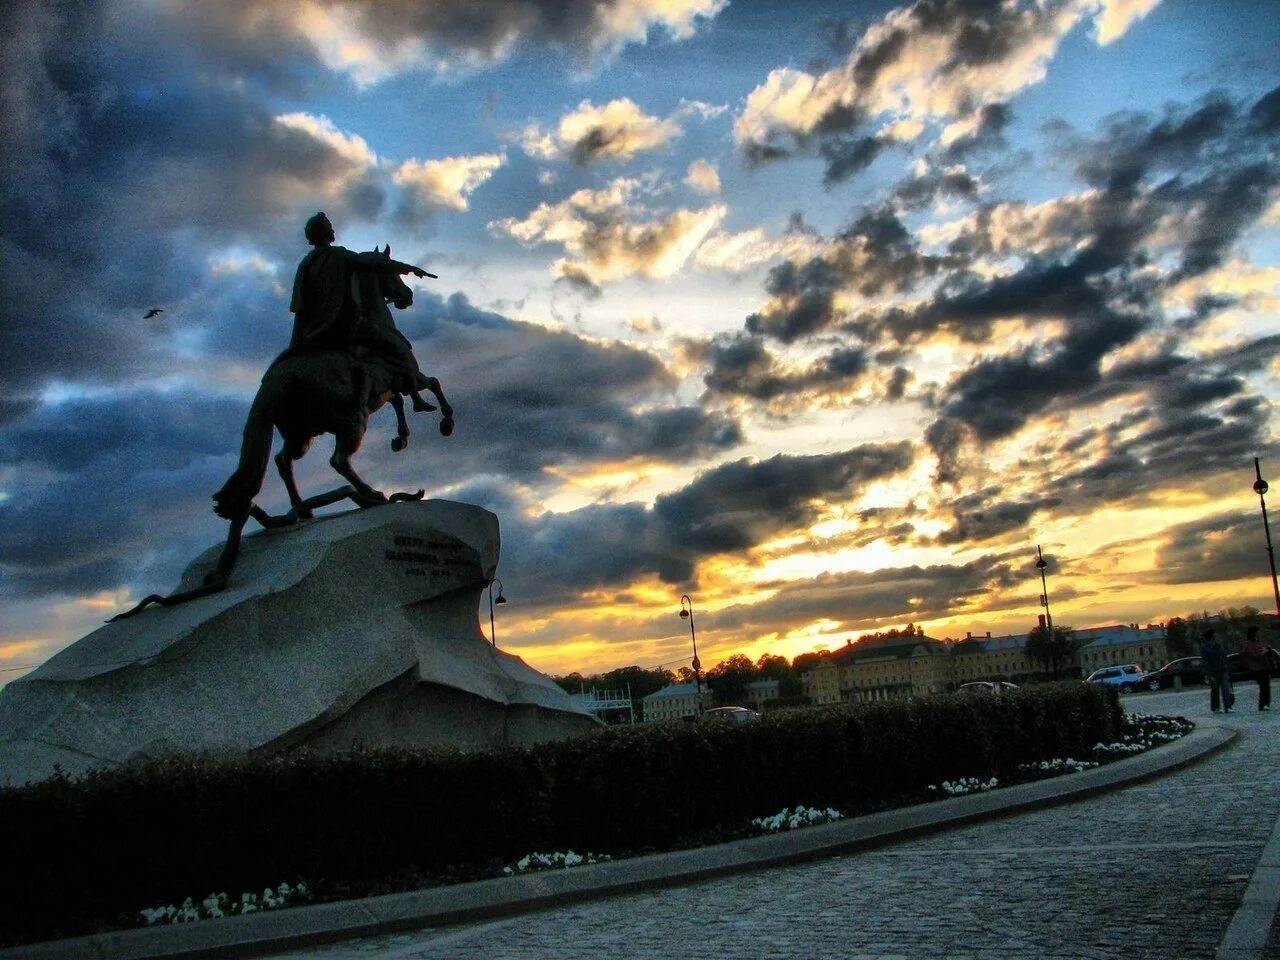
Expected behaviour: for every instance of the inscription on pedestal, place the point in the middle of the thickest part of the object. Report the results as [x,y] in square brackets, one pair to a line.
[442,561]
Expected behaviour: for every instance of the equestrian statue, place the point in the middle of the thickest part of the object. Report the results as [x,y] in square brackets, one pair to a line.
[345,360]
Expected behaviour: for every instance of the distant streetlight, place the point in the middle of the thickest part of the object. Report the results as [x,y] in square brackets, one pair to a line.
[1260,488]
[686,613]
[493,637]
[1041,563]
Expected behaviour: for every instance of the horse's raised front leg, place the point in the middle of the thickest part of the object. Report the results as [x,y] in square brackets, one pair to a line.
[294,448]
[346,443]
[446,409]
[401,439]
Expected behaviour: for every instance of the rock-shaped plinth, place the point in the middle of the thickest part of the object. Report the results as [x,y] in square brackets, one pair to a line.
[354,629]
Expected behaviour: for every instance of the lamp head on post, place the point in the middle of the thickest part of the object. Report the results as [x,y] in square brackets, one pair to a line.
[493,636]
[686,613]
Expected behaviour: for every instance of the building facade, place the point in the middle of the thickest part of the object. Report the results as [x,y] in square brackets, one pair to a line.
[895,668]
[675,702]
[1122,643]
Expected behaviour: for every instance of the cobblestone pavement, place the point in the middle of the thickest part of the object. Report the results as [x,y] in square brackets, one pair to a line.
[1151,871]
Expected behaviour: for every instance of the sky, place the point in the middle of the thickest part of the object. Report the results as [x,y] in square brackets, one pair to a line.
[824,314]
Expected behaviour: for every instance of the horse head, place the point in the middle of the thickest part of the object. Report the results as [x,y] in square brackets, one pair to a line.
[392,287]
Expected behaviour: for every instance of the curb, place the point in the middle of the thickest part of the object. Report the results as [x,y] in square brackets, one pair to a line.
[263,933]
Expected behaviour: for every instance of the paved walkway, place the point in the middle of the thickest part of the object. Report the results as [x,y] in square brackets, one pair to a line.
[1157,870]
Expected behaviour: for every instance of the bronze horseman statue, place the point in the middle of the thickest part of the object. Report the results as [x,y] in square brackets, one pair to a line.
[345,360]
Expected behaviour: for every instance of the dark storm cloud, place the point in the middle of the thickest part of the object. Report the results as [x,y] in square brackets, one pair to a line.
[529,398]
[988,133]
[983,515]
[849,155]
[737,505]
[1224,546]
[743,366]
[458,33]
[728,509]
[99,476]
[920,193]
[125,167]
[873,255]
[996,397]
[863,599]
[1265,114]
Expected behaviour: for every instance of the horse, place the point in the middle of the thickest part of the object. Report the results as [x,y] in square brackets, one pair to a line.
[306,393]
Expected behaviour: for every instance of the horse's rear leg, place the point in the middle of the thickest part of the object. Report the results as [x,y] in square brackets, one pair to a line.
[294,448]
[346,443]
[401,439]
[446,409]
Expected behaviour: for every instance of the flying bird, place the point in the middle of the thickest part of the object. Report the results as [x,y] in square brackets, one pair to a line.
[152,312]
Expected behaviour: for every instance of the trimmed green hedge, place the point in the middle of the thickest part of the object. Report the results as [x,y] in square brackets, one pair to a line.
[92,851]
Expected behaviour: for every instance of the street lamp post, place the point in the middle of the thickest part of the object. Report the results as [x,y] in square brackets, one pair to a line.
[493,637]
[1041,563]
[1260,488]
[686,613]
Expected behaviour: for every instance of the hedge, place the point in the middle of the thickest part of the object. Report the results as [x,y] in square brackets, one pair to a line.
[87,853]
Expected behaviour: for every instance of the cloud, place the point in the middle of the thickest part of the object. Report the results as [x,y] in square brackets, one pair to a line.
[751,249]
[861,600]
[1211,548]
[876,254]
[727,509]
[983,515]
[618,130]
[370,40]
[609,236]
[742,366]
[127,168]
[1115,17]
[448,182]
[106,473]
[703,177]
[922,65]
[529,398]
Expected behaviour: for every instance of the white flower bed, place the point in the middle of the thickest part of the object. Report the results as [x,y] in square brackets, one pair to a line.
[1142,733]
[1057,766]
[553,861]
[802,816]
[958,788]
[220,905]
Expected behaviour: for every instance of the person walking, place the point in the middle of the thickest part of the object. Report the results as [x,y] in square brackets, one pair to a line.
[1213,658]
[1255,659]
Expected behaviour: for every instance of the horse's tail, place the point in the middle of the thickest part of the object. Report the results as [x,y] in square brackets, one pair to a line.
[235,498]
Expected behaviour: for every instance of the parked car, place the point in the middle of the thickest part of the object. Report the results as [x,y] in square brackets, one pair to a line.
[732,714]
[1126,676]
[987,687]
[1186,669]
[1240,672]
[1190,670]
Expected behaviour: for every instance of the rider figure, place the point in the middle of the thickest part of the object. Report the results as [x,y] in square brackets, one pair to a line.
[324,305]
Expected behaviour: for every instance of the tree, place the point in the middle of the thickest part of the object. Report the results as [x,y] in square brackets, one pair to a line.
[1178,639]
[772,667]
[1054,653]
[1235,621]
[570,683]
[729,679]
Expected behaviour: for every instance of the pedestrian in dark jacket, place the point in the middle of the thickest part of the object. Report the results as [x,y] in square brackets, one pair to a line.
[1255,660]
[1213,658]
